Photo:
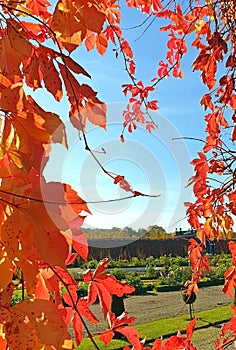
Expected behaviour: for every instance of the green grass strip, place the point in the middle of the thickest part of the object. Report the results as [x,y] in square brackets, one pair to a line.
[166,327]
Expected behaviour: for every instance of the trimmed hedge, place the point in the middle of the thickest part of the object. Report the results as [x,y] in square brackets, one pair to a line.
[217,282]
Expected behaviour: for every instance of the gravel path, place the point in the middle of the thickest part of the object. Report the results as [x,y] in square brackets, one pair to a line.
[165,305]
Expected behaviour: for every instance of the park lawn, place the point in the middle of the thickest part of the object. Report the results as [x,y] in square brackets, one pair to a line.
[166,327]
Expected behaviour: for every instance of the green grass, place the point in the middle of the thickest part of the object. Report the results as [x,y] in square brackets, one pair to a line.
[18,292]
[166,327]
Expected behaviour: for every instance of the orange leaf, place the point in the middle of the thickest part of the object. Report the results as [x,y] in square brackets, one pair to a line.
[206,102]
[18,39]
[77,327]
[132,336]
[91,15]
[106,336]
[10,60]
[42,291]
[230,282]
[103,285]
[90,40]
[66,23]
[71,20]
[6,269]
[46,320]
[33,77]
[12,98]
[80,243]
[38,8]
[101,43]
[126,48]
[6,295]
[51,77]
[120,325]
[74,66]
[96,113]
[18,334]
[71,197]
[52,246]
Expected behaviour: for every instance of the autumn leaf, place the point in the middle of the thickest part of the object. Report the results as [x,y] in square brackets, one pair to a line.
[75,67]
[6,268]
[103,285]
[231,325]
[10,60]
[31,71]
[96,113]
[39,8]
[125,47]
[230,282]
[75,314]
[45,319]
[72,20]
[119,179]
[18,39]
[90,40]
[101,43]
[48,239]
[206,102]
[121,325]
[6,295]
[51,77]
[230,274]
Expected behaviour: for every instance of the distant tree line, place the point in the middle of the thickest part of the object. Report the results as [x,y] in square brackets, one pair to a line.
[152,232]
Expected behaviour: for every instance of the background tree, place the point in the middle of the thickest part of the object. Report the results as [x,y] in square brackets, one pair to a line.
[40,221]
[156,232]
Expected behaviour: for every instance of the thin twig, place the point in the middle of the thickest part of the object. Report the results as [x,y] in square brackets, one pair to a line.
[28,198]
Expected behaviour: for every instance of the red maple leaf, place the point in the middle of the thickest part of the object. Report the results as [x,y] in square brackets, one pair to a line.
[230,274]
[121,325]
[75,309]
[102,285]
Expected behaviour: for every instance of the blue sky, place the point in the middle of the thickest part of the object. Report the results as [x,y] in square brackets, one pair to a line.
[153,164]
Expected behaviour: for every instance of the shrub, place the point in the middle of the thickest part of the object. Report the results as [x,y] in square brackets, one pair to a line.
[119,274]
[180,261]
[174,275]
[92,264]
[15,299]
[82,290]
[135,262]
[134,280]
[77,275]
[152,272]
